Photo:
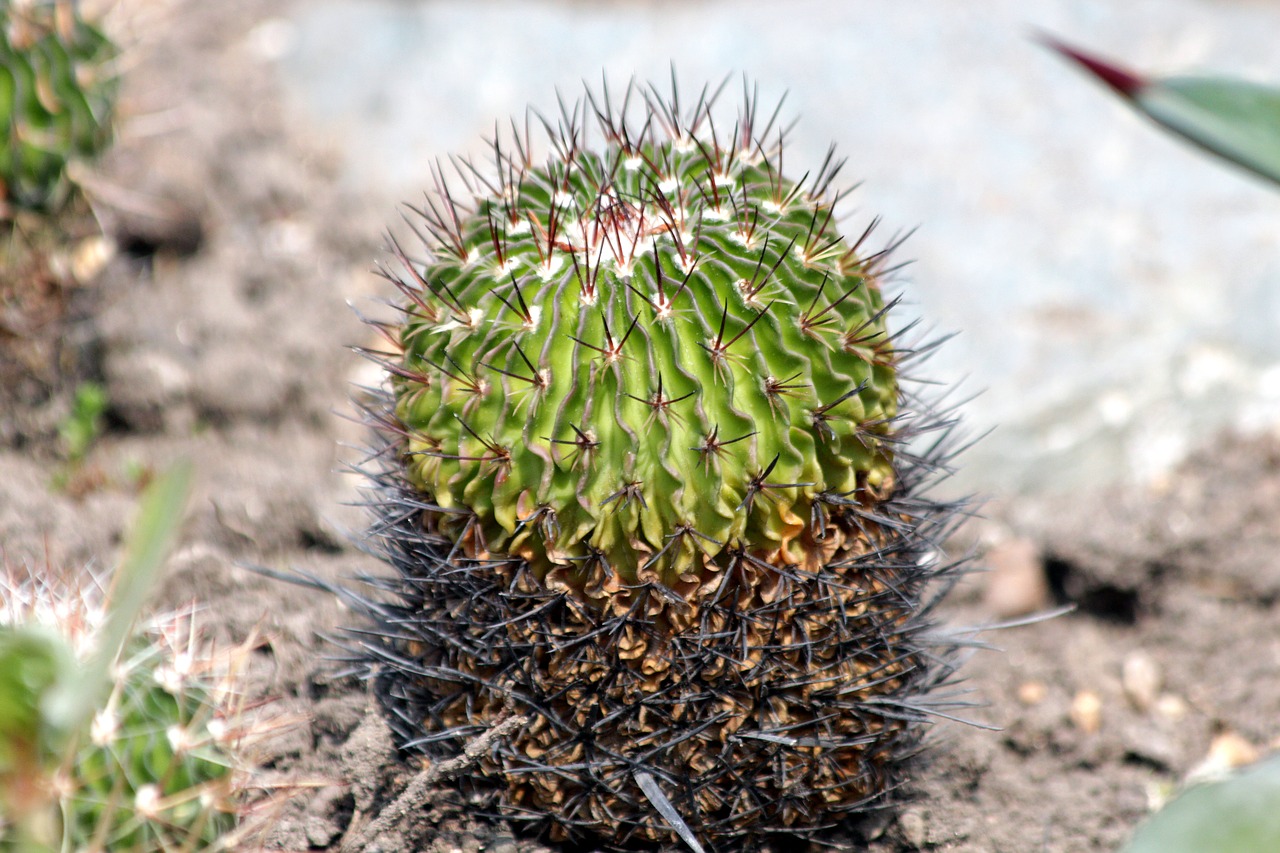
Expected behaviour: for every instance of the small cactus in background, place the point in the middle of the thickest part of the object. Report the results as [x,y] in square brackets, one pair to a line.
[56,98]
[652,477]
[111,737]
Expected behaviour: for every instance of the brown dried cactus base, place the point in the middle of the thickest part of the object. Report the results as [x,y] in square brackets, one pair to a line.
[766,698]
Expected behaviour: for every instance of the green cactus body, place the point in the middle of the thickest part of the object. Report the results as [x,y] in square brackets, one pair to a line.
[56,97]
[644,481]
[155,772]
[651,354]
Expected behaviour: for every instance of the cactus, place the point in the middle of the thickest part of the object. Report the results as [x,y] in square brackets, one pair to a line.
[647,476]
[135,751]
[154,772]
[56,97]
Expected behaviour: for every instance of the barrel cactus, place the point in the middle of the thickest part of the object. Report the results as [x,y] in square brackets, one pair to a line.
[56,96]
[649,474]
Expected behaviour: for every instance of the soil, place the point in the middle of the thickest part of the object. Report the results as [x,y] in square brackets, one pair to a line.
[218,331]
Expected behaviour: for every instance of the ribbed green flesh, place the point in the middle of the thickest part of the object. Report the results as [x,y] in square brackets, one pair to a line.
[678,266]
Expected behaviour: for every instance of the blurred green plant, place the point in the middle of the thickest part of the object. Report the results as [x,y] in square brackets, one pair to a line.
[1240,814]
[83,424]
[57,94]
[1236,120]
[114,737]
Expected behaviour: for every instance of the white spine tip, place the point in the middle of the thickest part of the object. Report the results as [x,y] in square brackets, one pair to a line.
[105,727]
[552,266]
[147,801]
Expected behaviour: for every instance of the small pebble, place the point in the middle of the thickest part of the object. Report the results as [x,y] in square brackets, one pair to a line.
[914,831]
[1086,711]
[1171,707]
[1032,692]
[1228,751]
[1231,750]
[1016,585]
[1142,680]
[89,257]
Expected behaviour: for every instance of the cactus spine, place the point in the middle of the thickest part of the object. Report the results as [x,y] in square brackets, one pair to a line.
[646,479]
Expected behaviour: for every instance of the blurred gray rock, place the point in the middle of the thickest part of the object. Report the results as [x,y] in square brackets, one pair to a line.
[1118,295]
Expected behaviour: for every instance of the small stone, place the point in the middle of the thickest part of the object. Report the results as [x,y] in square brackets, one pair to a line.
[1171,707]
[330,801]
[1086,711]
[1016,585]
[148,388]
[89,256]
[914,830]
[502,844]
[1228,751]
[365,754]
[1142,680]
[1231,750]
[1032,692]
[877,824]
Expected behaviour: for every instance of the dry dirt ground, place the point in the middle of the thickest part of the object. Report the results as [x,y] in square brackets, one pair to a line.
[233,355]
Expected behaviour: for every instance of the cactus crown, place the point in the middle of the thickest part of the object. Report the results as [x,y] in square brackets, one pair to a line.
[628,361]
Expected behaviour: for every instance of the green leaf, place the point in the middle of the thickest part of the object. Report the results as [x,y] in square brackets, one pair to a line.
[1239,815]
[154,531]
[1234,119]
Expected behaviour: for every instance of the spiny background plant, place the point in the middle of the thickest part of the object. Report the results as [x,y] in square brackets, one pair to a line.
[114,737]
[650,474]
[56,97]
[1237,120]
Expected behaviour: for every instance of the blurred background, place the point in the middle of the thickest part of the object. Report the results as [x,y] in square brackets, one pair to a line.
[1116,295]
